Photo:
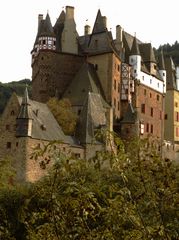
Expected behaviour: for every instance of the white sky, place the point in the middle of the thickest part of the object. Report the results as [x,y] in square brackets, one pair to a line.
[154,21]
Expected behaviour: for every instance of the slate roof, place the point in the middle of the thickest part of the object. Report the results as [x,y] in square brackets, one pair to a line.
[161,63]
[45,28]
[92,117]
[170,70]
[86,80]
[100,40]
[147,52]
[44,125]
[24,108]
[99,25]
[130,115]
[135,48]
[58,29]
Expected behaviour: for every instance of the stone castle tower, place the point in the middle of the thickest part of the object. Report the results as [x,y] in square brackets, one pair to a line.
[55,51]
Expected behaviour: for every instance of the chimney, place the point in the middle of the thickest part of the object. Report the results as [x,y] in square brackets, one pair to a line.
[40,18]
[105,21]
[87,30]
[119,32]
[69,12]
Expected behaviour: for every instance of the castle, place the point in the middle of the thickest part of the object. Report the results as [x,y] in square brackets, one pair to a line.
[112,83]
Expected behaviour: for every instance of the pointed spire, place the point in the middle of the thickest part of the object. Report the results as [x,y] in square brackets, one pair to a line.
[60,20]
[47,25]
[100,23]
[161,63]
[152,55]
[130,115]
[135,47]
[24,108]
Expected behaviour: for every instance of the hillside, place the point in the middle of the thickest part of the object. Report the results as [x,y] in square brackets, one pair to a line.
[6,90]
[170,50]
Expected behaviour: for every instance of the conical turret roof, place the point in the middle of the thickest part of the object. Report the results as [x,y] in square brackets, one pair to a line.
[161,63]
[24,108]
[135,48]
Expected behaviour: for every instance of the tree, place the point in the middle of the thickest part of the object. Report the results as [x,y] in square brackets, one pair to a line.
[136,198]
[64,115]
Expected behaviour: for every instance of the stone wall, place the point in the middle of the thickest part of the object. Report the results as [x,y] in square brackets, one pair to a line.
[52,72]
[152,115]
[108,67]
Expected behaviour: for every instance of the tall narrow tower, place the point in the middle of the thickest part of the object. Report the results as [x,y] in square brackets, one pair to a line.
[135,60]
[24,119]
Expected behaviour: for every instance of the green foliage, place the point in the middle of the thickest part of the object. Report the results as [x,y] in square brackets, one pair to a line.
[136,197]
[64,115]
[6,90]
[7,174]
[170,50]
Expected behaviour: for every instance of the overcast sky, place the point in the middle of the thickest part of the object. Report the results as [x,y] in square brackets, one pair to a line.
[154,21]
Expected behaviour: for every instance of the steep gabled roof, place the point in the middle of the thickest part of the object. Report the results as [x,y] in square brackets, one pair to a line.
[130,115]
[45,28]
[58,29]
[170,70]
[161,63]
[44,125]
[135,48]
[92,117]
[86,80]
[147,52]
[99,25]
[24,108]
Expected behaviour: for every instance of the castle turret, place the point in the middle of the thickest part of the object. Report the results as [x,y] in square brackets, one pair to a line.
[119,38]
[45,37]
[135,60]
[162,69]
[24,119]
[69,34]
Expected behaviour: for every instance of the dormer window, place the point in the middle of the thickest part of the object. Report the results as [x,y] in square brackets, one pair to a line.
[43,127]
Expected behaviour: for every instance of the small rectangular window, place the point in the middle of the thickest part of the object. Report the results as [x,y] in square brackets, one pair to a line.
[147,127]
[177,116]
[114,84]
[8,145]
[151,128]
[142,108]
[151,112]
[177,132]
